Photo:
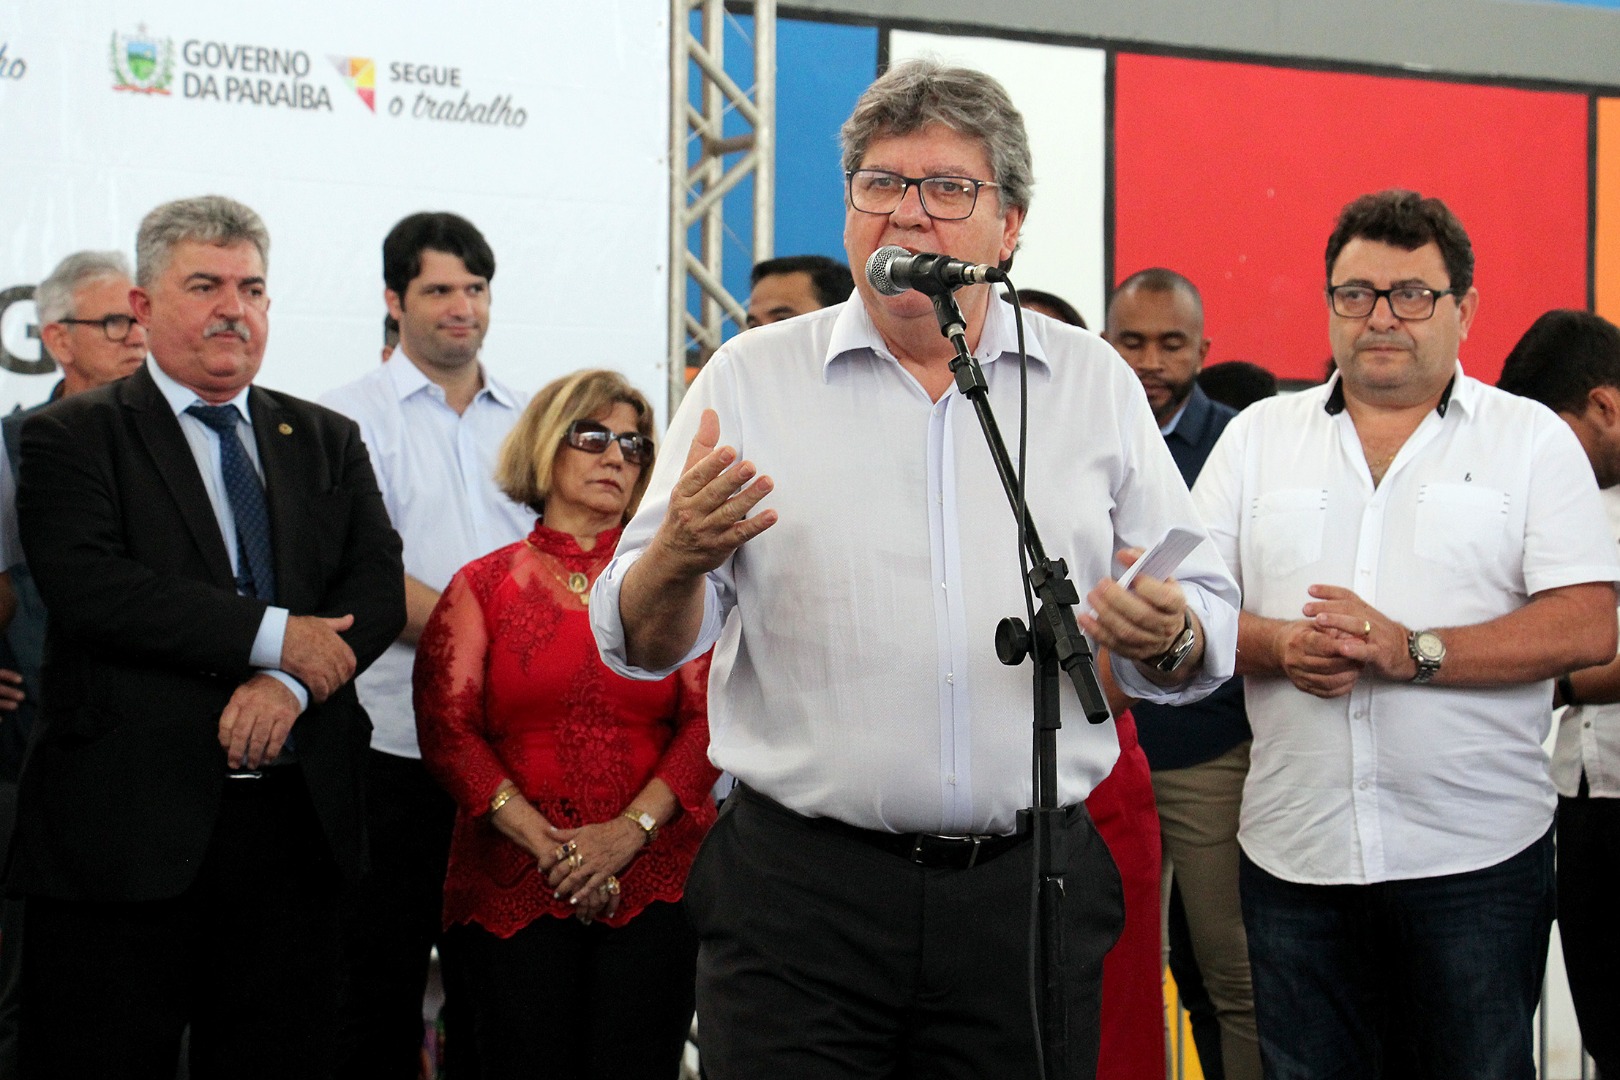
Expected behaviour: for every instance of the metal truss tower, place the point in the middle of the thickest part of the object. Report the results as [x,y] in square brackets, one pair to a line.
[700,177]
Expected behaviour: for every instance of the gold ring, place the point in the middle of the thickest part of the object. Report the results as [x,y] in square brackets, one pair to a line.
[1366,628]
[560,854]
[571,847]
[576,860]
[611,886]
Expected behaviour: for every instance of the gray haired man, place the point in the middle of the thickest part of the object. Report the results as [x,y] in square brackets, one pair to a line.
[217,563]
[863,902]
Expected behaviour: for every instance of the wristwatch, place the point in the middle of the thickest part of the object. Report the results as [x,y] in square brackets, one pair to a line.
[1172,658]
[1428,652]
[648,823]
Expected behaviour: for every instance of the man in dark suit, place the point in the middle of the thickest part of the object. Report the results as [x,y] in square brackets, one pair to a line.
[218,563]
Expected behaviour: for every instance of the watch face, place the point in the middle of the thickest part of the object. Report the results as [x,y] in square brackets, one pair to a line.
[1429,646]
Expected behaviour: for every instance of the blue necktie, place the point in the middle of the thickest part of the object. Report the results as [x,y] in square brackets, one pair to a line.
[255,570]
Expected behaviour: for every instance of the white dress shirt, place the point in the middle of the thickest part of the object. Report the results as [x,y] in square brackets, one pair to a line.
[1589,735]
[1488,503]
[855,675]
[204,443]
[437,474]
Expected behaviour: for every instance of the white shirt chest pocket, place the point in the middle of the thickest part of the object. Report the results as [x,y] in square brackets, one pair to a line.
[1287,526]
[1460,524]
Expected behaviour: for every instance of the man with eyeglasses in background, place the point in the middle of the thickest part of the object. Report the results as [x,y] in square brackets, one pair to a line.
[1421,555]
[88,327]
[433,419]
[864,900]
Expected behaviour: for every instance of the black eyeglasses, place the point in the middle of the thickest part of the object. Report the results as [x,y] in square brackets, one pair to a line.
[944,198]
[593,438]
[116,327]
[1412,303]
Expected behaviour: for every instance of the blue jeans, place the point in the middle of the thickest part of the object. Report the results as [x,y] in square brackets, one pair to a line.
[1432,977]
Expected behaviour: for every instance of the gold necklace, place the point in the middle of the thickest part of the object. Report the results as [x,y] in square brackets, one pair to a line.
[576,582]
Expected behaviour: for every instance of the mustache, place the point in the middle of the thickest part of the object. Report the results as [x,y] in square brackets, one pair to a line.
[1374,341]
[229,326]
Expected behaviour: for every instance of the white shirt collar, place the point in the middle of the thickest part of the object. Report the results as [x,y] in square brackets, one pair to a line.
[409,379]
[181,397]
[854,331]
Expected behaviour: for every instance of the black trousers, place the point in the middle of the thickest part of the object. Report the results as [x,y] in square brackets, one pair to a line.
[392,918]
[1588,887]
[566,1001]
[247,956]
[824,957]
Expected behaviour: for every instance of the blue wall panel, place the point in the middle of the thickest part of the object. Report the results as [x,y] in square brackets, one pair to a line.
[821,68]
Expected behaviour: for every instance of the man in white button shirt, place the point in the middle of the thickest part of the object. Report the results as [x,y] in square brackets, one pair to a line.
[433,419]
[864,901]
[1570,362]
[1420,556]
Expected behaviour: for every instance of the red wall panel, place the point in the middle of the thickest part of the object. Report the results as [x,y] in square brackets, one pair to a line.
[1233,174]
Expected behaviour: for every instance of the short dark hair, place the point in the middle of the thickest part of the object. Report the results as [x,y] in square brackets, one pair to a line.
[1156,279]
[1406,220]
[830,278]
[1065,310]
[1562,358]
[1237,383]
[433,231]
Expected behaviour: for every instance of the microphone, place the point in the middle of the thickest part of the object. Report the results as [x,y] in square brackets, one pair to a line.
[892,270]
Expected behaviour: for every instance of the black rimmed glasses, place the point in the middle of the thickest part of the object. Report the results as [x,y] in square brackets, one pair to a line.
[116,327]
[944,198]
[1411,303]
[593,438]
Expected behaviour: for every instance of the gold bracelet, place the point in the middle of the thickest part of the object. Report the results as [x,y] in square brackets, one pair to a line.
[502,797]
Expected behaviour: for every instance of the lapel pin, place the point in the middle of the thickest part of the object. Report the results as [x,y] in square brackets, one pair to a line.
[285,429]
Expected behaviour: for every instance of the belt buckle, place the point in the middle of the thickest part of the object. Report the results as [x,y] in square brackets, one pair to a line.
[973,855]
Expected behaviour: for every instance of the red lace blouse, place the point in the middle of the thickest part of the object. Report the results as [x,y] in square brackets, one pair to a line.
[509,685]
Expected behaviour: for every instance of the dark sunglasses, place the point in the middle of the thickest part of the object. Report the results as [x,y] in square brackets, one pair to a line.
[593,438]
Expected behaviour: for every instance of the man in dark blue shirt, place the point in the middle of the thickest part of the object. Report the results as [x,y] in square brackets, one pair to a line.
[1199,753]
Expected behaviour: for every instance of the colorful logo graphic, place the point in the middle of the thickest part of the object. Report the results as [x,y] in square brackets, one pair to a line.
[361,74]
[142,63]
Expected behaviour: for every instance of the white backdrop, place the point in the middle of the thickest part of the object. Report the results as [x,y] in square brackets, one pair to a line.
[1062,93]
[263,103]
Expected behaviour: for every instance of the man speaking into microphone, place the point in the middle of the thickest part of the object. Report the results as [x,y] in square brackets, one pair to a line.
[864,902]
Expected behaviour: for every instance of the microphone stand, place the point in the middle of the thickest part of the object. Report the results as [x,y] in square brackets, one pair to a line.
[1055,644]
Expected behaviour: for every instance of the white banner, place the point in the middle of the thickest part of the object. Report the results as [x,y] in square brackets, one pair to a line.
[544,123]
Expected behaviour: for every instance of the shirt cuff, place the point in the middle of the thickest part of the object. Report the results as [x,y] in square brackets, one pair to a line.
[300,691]
[267,642]
[608,627]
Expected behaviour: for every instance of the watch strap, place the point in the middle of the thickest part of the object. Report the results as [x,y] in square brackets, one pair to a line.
[1176,654]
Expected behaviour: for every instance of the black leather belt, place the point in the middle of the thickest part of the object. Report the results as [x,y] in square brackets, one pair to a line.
[925,849]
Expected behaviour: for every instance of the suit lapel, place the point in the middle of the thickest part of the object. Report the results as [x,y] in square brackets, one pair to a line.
[159,429]
[279,443]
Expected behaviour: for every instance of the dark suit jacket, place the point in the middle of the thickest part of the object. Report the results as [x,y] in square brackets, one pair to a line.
[148,638]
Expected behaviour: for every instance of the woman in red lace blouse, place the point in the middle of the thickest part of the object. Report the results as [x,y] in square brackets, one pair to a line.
[581,796]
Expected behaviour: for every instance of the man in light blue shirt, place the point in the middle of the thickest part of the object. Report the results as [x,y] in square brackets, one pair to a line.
[433,420]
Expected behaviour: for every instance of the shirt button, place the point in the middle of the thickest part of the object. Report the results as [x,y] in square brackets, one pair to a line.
[1363,785]
[951,778]
[950,678]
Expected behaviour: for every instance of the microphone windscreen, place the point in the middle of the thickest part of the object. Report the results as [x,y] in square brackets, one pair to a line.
[877,270]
